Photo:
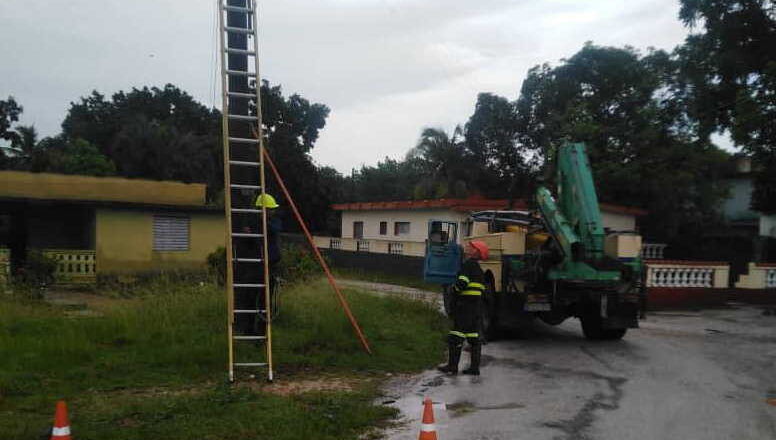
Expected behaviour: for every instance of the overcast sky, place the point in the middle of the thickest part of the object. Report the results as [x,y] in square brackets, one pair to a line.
[386,68]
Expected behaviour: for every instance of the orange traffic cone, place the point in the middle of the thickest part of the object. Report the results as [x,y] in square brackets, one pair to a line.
[61,430]
[427,428]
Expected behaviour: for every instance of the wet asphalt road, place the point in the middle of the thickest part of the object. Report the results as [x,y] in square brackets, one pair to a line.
[705,375]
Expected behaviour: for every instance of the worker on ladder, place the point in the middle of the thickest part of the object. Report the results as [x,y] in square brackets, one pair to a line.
[274,226]
[468,289]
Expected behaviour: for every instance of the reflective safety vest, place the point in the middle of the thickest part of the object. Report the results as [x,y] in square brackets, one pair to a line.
[466,287]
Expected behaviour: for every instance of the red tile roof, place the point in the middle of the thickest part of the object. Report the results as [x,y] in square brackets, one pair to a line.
[472,203]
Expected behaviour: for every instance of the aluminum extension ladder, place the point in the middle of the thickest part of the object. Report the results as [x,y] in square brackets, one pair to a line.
[247,269]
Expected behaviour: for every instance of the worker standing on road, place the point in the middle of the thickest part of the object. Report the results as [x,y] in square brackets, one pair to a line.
[467,304]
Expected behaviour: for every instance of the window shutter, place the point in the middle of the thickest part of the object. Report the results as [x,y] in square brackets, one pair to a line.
[171,233]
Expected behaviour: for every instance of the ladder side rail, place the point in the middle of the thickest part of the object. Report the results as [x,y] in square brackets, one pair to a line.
[265,250]
[227,193]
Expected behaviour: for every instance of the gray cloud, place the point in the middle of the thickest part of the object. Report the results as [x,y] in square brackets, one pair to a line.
[387,68]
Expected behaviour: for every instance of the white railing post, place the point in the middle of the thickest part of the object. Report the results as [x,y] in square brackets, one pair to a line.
[678,274]
[770,278]
[653,251]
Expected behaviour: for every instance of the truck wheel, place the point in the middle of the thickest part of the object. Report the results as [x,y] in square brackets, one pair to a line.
[592,327]
[489,313]
[614,333]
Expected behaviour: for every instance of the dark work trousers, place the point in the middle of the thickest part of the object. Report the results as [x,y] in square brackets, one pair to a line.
[466,320]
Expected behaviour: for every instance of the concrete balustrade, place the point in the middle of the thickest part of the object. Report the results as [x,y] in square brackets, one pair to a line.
[5,266]
[759,276]
[687,274]
[653,251]
[74,266]
[393,247]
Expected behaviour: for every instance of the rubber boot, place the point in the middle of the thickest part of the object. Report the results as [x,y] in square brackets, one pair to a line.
[474,367]
[453,357]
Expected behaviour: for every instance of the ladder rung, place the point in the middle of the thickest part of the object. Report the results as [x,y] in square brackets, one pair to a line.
[247,260]
[244,140]
[239,73]
[246,235]
[247,311]
[249,338]
[240,186]
[249,53]
[246,210]
[237,9]
[244,163]
[249,364]
[243,117]
[241,95]
[236,30]
[248,285]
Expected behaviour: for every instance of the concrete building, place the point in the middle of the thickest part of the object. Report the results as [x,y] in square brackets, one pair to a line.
[106,225]
[401,227]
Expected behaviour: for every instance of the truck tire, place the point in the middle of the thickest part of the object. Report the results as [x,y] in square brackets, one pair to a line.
[489,312]
[592,327]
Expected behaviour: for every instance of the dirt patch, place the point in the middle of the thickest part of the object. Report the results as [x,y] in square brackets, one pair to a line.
[161,391]
[80,303]
[309,385]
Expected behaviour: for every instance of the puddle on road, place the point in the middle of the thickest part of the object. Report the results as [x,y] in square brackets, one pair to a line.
[435,382]
[458,409]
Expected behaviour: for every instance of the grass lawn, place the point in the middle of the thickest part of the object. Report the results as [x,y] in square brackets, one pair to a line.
[154,366]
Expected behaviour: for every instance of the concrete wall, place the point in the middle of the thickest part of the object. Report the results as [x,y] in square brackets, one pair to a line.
[418,219]
[618,222]
[47,186]
[124,241]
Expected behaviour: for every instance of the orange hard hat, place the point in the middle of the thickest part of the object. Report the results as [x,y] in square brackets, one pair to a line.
[481,247]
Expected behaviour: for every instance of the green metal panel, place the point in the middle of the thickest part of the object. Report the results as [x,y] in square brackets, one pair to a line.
[577,198]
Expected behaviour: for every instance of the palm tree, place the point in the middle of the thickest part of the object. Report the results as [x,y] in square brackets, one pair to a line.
[24,144]
[444,158]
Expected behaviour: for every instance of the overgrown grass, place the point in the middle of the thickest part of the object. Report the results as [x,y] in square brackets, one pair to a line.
[415,281]
[154,366]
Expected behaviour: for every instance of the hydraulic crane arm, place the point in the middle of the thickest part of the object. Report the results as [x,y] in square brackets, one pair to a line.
[575,219]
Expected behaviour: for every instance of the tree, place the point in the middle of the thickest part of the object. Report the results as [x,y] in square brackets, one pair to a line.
[503,166]
[9,113]
[730,74]
[79,157]
[152,133]
[443,158]
[627,109]
[291,127]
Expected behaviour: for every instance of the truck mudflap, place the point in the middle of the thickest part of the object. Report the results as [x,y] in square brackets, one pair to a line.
[619,311]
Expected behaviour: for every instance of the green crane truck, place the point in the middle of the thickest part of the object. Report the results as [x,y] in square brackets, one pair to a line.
[551,263]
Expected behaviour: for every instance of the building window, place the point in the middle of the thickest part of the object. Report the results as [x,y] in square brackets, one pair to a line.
[383,228]
[401,228]
[358,229]
[171,232]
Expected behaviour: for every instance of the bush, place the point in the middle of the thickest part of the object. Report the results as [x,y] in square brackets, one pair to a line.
[38,270]
[297,263]
[216,263]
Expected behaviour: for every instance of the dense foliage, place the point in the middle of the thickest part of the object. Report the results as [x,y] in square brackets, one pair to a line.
[647,119]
